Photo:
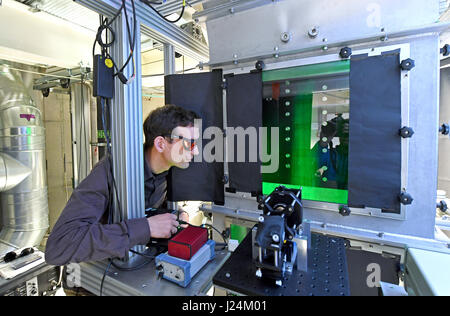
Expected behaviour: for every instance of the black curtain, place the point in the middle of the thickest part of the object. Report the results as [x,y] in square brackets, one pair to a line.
[202,93]
[244,110]
[375,120]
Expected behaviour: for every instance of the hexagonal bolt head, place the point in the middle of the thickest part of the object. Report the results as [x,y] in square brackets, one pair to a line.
[275,238]
[313,32]
[408,64]
[405,198]
[406,132]
[285,37]
[345,52]
[344,210]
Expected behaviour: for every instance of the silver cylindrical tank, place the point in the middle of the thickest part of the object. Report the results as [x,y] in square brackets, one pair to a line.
[24,207]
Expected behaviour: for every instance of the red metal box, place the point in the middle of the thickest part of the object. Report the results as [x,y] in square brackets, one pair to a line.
[187,242]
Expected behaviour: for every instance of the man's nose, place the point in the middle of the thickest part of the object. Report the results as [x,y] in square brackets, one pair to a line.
[195,152]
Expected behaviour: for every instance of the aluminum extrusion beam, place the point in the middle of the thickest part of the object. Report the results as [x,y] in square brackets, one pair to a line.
[227,8]
[126,128]
[155,27]
[173,6]
[169,59]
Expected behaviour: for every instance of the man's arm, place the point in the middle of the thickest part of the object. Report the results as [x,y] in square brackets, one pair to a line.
[78,236]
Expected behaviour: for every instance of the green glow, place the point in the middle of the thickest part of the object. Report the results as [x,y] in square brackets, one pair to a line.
[317,70]
[312,193]
[238,232]
[301,168]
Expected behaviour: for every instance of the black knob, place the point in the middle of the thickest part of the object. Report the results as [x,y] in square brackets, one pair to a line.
[260,65]
[442,206]
[344,210]
[445,50]
[345,52]
[405,198]
[444,129]
[406,132]
[408,64]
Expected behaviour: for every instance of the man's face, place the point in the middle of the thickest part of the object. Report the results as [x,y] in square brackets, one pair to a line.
[182,147]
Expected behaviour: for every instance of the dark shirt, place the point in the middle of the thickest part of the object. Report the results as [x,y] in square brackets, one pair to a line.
[82,232]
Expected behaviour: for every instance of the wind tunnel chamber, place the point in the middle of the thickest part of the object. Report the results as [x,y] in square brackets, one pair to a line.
[331,128]
[23,185]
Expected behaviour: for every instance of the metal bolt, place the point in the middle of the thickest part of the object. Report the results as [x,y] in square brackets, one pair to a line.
[381,235]
[313,32]
[144,285]
[231,10]
[285,37]
[325,48]
[258,273]
[261,219]
[227,275]
[275,238]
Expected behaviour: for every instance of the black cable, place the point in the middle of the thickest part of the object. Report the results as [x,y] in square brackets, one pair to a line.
[104,276]
[109,154]
[106,25]
[148,3]
[141,254]
[208,225]
[130,40]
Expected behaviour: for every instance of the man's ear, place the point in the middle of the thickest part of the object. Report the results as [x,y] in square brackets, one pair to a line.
[159,143]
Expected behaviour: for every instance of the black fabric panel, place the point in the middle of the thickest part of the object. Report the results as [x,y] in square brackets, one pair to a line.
[244,109]
[375,120]
[201,93]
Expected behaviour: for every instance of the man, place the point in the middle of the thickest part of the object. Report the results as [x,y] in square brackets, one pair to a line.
[82,232]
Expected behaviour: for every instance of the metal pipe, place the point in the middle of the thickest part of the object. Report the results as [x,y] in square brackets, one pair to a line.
[12,172]
[23,202]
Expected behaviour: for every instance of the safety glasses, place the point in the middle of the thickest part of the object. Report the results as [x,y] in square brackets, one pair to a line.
[188,144]
[11,256]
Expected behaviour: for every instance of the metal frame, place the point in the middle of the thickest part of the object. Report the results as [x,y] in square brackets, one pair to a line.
[369,22]
[155,27]
[404,54]
[416,228]
[126,131]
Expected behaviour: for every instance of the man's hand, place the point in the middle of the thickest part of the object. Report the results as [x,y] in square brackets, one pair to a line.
[184,216]
[163,226]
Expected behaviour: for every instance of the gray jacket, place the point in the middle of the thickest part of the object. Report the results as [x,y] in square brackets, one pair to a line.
[82,232]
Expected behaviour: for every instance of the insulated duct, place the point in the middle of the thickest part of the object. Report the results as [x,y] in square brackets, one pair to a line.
[23,184]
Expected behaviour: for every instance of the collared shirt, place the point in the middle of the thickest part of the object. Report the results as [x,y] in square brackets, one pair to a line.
[155,187]
[82,232]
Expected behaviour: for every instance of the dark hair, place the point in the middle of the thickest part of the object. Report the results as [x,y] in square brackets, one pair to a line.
[163,120]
